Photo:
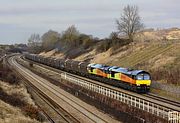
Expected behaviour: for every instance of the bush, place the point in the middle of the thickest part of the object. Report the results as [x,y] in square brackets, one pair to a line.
[87,43]
[106,44]
[12,78]
[171,75]
[14,99]
[8,75]
[103,46]
[119,43]
[32,112]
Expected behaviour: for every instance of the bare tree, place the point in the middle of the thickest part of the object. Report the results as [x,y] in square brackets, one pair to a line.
[34,40]
[34,43]
[130,21]
[113,35]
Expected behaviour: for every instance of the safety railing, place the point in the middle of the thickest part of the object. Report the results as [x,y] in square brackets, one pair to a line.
[174,117]
[148,106]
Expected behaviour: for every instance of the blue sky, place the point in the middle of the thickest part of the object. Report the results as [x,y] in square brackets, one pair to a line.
[20,18]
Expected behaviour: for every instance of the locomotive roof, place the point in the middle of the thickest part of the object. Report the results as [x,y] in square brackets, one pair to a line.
[135,72]
[126,70]
[118,69]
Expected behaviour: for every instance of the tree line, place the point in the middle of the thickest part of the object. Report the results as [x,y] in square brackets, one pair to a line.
[128,25]
[69,38]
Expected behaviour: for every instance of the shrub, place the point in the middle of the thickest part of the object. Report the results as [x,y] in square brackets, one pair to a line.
[171,75]
[14,99]
[105,44]
[32,111]
[8,75]
[87,43]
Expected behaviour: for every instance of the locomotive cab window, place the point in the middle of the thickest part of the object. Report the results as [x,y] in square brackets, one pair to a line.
[143,77]
[112,74]
[146,77]
[91,69]
[139,77]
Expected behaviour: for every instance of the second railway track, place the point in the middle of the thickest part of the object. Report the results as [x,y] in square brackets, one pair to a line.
[81,113]
[162,99]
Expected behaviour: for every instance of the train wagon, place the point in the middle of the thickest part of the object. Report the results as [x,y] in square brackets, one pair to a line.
[75,67]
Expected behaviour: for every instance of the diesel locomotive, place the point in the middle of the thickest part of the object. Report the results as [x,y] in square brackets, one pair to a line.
[135,80]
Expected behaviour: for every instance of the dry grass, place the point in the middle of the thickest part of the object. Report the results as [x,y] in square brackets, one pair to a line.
[49,53]
[17,96]
[17,89]
[160,60]
[10,114]
[173,35]
[158,35]
[13,93]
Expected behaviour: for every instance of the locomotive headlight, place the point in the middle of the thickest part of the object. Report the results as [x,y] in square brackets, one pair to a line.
[138,84]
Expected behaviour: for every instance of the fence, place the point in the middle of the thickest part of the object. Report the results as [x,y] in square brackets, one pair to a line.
[174,117]
[142,104]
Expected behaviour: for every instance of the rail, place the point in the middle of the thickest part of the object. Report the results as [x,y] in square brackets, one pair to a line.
[163,99]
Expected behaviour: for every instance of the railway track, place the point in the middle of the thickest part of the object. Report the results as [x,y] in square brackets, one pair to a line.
[162,99]
[154,104]
[81,112]
[62,115]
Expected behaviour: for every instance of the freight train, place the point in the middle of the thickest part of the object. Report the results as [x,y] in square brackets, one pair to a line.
[135,80]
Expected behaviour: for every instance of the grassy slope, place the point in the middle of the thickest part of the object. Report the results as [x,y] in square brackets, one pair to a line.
[145,54]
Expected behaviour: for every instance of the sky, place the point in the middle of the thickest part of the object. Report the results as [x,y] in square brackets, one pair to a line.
[21,18]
